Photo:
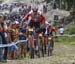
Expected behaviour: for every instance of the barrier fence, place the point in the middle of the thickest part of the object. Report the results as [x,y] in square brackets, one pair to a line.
[20,41]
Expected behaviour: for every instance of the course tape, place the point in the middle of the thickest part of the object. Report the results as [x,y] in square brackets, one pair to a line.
[13,43]
[20,41]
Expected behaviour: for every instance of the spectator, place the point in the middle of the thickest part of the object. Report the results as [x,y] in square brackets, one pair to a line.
[61,30]
[3,36]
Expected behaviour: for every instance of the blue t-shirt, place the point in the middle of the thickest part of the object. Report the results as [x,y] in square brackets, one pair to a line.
[22,30]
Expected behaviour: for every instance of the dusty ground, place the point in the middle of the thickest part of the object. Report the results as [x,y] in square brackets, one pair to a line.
[63,54]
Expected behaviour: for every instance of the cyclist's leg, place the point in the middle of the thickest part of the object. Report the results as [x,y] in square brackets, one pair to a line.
[45,43]
[51,46]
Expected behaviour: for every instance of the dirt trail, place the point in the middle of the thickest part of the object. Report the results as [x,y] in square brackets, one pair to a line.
[63,54]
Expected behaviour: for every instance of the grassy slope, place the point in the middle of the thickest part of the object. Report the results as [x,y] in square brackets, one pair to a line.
[70,28]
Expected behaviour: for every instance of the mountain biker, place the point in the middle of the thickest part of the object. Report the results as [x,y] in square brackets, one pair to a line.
[35,17]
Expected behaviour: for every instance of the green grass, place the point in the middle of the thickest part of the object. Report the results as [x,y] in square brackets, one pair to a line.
[65,40]
[65,43]
[70,28]
[0,62]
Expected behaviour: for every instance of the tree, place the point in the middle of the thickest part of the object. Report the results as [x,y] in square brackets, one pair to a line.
[48,1]
[69,4]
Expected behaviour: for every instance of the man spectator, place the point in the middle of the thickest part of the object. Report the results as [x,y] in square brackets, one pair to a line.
[61,30]
[2,34]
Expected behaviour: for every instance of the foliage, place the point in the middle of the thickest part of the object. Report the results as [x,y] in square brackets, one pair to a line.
[70,28]
[65,38]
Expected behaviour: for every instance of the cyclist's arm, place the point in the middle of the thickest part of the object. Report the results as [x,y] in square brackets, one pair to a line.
[54,30]
[25,18]
[42,20]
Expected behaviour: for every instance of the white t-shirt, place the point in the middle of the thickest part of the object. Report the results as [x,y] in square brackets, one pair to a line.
[61,30]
